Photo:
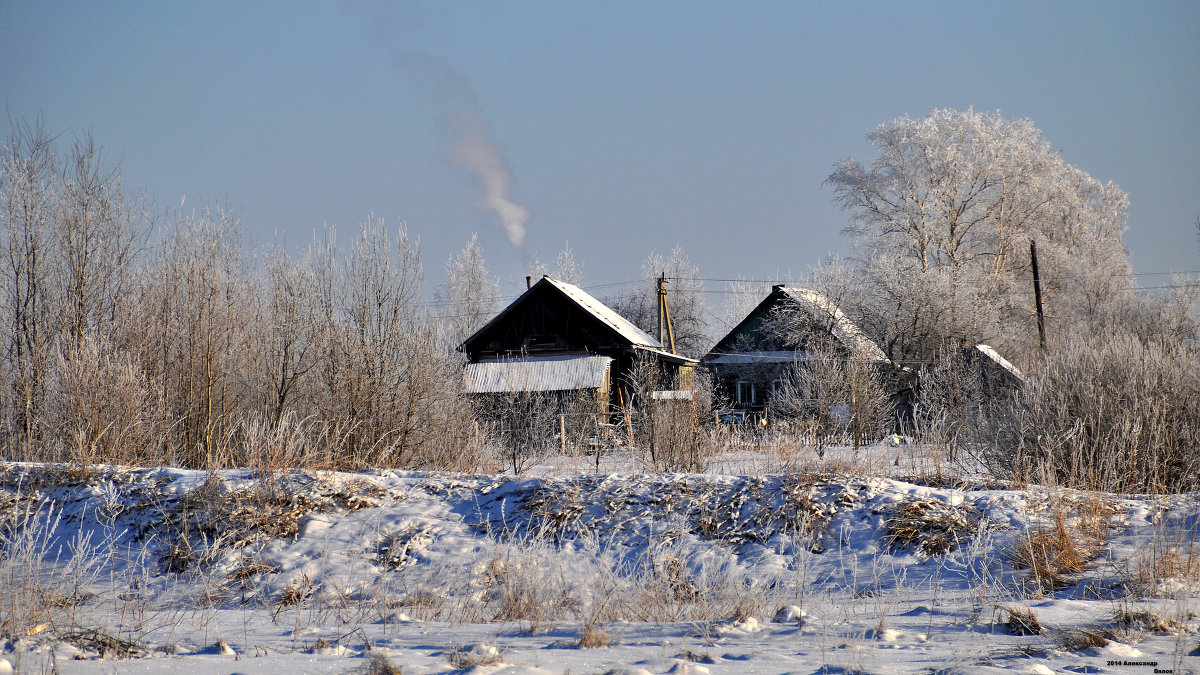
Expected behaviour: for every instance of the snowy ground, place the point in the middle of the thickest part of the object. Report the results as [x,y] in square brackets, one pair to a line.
[889,568]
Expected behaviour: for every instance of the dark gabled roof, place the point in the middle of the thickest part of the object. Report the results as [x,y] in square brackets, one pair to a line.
[624,332]
[817,306]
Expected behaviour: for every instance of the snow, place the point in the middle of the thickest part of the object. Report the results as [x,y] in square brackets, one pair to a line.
[761,572]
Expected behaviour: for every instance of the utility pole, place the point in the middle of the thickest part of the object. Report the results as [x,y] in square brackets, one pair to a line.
[664,314]
[1037,295]
[662,293]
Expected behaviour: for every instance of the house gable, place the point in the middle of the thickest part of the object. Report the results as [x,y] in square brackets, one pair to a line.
[789,327]
[796,321]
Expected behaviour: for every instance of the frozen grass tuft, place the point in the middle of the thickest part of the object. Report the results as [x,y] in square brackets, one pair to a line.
[380,665]
[1135,622]
[1022,621]
[1082,639]
[481,654]
[1050,555]
[930,525]
[104,643]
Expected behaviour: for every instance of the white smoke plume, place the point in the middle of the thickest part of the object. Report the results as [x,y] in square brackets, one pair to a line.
[474,148]
[392,25]
[475,151]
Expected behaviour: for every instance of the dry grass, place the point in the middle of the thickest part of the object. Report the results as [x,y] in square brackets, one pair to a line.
[1021,621]
[470,657]
[931,525]
[1082,639]
[248,569]
[1050,555]
[214,519]
[399,549]
[527,588]
[1095,518]
[107,645]
[594,636]
[1166,568]
[1142,621]
[380,665]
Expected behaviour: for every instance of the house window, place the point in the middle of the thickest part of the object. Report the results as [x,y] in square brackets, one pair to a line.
[745,392]
[779,388]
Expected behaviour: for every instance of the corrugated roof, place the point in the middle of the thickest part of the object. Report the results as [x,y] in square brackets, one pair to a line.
[537,373]
[673,395]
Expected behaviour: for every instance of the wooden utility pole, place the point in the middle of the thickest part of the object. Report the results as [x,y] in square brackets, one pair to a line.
[664,314]
[662,293]
[670,328]
[1037,295]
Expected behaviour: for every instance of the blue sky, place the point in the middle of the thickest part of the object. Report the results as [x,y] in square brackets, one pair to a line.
[627,126]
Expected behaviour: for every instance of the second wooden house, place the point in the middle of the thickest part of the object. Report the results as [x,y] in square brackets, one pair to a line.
[752,362]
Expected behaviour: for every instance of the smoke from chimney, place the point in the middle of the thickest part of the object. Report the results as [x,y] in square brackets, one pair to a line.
[473,146]
[475,151]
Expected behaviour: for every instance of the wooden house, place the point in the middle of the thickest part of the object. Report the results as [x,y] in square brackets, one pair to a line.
[557,338]
[791,325]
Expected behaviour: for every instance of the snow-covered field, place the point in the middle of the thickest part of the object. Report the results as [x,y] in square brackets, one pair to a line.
[114,570]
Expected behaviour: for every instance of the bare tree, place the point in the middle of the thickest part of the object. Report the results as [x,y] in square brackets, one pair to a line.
[199,297]
[739,299]
[669,426]
[97,237]
[291,327]
[1114,416]
[566,268]
[378,304]
[29,204]
[837,397]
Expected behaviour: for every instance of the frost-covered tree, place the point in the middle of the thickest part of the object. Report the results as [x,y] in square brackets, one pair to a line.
[942,218]
[566,268]
[738,299]
[469,296]
[684,300]
[29,207]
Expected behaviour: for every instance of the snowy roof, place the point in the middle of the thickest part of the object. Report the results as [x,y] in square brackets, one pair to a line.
[624,328]
[845,330]
[636,336]
[1000,360]
[537,373]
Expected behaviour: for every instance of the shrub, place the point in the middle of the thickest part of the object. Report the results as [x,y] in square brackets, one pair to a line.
[1119,416]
